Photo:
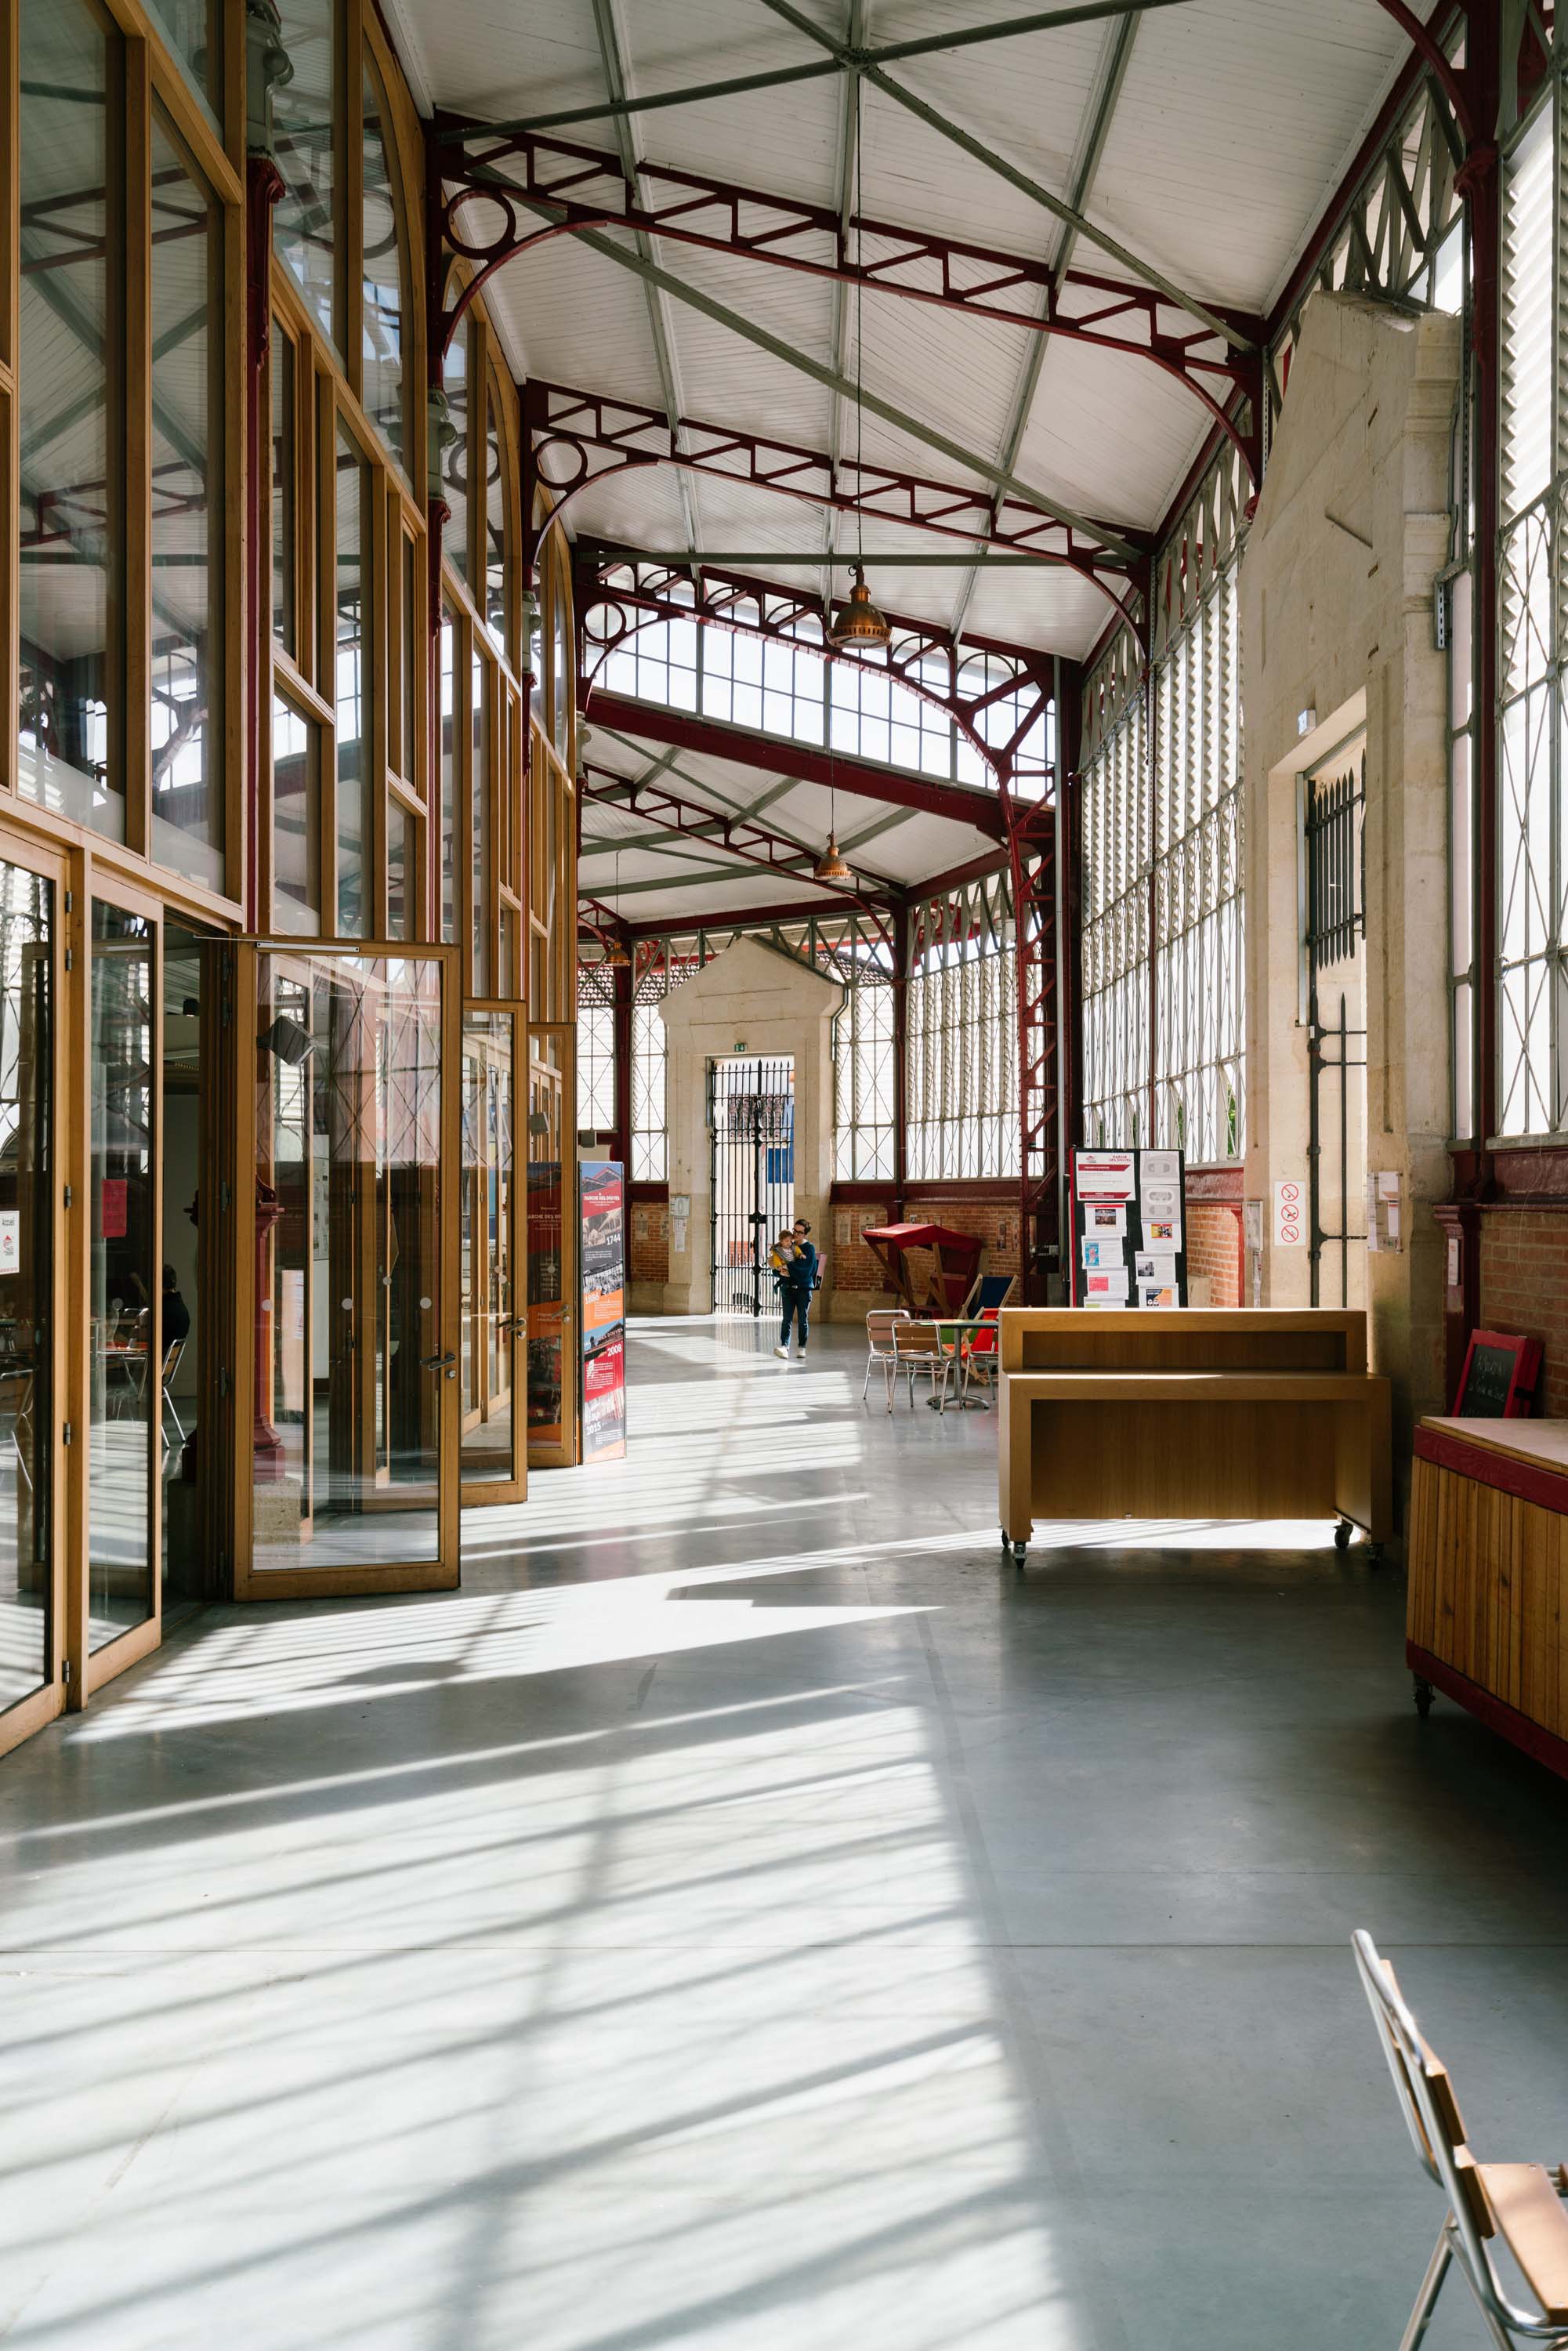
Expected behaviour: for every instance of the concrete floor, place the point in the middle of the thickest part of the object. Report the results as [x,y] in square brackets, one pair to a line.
[749,1916]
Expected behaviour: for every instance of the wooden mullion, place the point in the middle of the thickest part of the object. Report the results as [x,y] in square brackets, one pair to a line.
[349,136]
[10,193]
[376,670]
[228,357]
[326,620]
[136,614]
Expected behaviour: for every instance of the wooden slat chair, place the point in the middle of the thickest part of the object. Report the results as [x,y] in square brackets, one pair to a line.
[879,1348]
[1519,2204]
[918,1347]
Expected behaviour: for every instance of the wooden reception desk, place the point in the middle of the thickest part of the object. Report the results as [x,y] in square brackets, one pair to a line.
[1486,1619]
[1243,1413]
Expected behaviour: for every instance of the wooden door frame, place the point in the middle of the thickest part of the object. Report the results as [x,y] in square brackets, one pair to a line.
[57,1690]
[331,1583]
[91,1668]
[484,1493]
[544,1455]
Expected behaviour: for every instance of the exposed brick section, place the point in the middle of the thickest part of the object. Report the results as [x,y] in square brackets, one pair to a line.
[851,1265]
[996,1222]
[1213,1250]
[1524,1289]
[650,1241]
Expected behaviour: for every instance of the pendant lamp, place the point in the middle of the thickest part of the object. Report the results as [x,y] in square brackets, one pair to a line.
[858,622]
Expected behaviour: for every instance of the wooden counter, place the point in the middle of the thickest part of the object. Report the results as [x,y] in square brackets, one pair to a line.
[1245,1413]
[1485,1617]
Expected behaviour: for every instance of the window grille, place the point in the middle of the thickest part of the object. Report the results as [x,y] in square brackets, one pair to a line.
[1163,937]
[961,1073]
[595,1051]
[1532,866]
[863,1143]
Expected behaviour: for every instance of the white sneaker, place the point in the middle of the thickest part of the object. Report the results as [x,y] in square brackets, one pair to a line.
[782,1351]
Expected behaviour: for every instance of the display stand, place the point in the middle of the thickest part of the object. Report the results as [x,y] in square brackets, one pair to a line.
[1129,1229]
[602,1256]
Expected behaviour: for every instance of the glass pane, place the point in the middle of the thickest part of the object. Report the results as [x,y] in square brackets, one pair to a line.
[455,456]
[547,1298]
[348,1370]
[384,289]
[479,818]
[412,768]
[353,517]
[187,523]
[495,528]
[400,865]
[192,1247]
[560,670]
[295,822]
[122,1398]
[283,459]
[304,228]
[448,777]
[193,29]
[26,1277]
[71,537]
[488,1300]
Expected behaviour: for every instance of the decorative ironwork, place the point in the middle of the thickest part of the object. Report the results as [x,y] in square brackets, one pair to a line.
[491,183]
[578,439]
[751,1142]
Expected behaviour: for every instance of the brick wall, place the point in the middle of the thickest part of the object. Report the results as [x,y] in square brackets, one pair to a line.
[1524,1289]
[650,1241]
[1213,1250]
[996,1222]
[853,1270]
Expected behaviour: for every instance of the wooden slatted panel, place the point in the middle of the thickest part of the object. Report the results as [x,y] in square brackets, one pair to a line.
[1487,1577]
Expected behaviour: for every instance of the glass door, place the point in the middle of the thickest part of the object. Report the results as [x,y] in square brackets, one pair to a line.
[351,1276]
[32,1303]
[123,1451]
[493,1450]
[552,1246]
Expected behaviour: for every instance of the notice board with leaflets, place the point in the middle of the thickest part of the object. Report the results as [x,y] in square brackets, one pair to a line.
[602,1258]
[1129,1232]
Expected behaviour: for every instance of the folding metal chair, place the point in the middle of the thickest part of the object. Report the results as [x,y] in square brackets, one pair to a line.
[918,1347]
[879,1347]
[172,1354]
[1519,2204]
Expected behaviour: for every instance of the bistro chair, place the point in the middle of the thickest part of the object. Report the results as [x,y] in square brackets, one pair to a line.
[879,1348]
[170,1365]
[918,1347]
[1519,2204]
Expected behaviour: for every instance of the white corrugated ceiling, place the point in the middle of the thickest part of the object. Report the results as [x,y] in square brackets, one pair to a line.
[1231,124]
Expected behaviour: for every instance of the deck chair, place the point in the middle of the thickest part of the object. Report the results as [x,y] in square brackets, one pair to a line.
[1517,2204]
[918,1347]
[979,1355]
[879,1347]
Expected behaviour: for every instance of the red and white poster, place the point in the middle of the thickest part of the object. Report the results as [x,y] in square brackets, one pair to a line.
[1104,1175]
[604,1401]
[603,1260]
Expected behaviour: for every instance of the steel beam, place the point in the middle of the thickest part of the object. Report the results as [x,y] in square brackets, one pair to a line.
[578,438]
[751,844]
[992,161]
[749,331]
[965,683]
[650,722]
[1010,29]
[580,187]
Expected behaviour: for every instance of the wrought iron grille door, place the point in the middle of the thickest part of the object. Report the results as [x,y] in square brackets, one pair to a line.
[1334,824]
[751,1139]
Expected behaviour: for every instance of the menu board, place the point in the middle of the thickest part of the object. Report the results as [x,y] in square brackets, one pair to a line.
[603,1258]
[1129,1240]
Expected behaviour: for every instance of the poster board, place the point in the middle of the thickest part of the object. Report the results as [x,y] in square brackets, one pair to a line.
[1129,1228]
[602,1320]
[1499,1378]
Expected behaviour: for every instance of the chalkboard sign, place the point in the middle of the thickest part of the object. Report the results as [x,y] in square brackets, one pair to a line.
[1498,1382]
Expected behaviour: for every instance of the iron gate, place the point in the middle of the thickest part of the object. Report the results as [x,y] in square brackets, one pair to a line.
[751,1139]
[1334,824]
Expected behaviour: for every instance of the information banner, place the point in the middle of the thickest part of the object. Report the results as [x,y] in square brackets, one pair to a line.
[1129,1240]
[602,1258]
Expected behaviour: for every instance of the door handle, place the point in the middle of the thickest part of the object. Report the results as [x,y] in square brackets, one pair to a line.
[435,1363]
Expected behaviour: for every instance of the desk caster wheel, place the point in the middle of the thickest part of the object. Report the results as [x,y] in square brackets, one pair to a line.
[1375,1556]
[1020,1553]
[1425,1694]
[1341,1535]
